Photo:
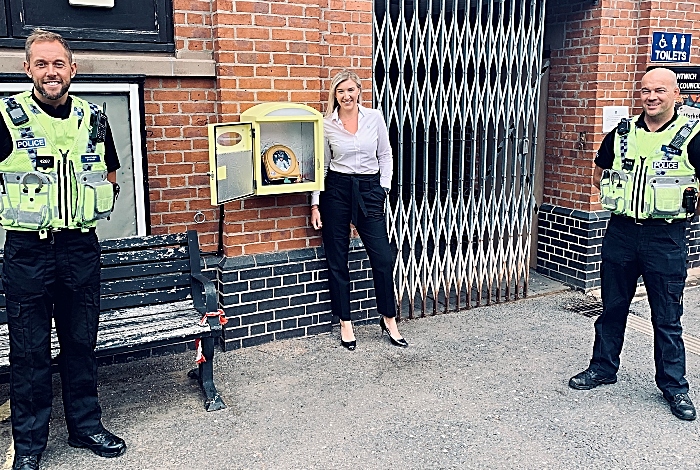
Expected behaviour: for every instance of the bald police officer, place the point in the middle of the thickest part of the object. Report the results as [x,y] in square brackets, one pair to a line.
[647,171]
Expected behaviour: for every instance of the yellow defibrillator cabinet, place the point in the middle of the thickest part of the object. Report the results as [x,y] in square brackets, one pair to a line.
[277,148]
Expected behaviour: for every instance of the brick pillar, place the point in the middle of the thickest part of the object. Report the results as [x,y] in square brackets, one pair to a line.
[603,53]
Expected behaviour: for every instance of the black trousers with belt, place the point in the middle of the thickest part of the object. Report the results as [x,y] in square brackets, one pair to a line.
[358,199]
[656,251]
[55,277]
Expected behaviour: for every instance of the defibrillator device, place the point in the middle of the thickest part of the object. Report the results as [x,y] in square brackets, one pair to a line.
[280,165]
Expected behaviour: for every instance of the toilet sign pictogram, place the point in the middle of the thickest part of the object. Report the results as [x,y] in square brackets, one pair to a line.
[670,47]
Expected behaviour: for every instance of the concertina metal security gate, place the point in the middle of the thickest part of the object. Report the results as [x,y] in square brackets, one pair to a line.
[458,82]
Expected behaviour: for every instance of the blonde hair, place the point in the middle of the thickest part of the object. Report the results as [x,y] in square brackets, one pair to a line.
[41,35]
[339,78]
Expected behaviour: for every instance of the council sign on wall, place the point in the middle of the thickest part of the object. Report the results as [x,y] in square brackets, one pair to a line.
[689,83]
[670,47]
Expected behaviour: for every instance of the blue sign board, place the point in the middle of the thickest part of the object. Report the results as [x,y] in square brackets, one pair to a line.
[670,47]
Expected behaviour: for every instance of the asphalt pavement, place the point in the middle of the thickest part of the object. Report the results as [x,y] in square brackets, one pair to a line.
[481,388]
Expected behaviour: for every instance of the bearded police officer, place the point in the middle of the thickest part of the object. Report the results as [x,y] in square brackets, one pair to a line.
[648,174]
[57,169]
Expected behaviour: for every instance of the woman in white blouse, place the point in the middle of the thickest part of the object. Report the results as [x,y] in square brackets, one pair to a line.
[358,165]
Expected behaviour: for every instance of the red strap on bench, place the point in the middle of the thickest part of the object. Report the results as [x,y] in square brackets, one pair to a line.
[199,357]
[219,313]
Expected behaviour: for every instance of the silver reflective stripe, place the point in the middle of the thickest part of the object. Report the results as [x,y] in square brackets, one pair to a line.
[32,218]
[458,84]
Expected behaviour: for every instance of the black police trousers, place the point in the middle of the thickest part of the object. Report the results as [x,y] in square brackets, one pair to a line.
[55,277]
[358,199]
[658,254]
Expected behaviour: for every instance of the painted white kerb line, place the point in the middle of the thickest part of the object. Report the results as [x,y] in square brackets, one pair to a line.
[643,325]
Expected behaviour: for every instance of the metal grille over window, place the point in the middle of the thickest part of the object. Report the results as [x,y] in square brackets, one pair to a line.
[459,83]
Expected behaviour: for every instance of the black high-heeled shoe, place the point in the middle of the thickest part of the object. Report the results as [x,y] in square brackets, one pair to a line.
[349,345]
[402,343]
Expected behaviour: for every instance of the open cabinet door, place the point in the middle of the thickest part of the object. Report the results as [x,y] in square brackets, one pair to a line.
[231,162]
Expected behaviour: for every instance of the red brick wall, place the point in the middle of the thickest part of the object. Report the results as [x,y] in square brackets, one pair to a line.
[264,51]
[177,113]
[605,53]
[282,51]
[192,21]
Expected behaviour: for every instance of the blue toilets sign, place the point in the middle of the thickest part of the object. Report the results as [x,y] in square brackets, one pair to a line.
[670,47]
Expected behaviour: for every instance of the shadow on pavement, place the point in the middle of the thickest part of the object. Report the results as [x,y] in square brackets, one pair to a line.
[483,388]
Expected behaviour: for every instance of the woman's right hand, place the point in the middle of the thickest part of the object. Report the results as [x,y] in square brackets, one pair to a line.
[315,217]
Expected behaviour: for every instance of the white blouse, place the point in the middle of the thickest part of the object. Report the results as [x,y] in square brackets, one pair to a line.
[363,153]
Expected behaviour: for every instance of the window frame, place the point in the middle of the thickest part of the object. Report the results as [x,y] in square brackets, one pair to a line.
[162,39]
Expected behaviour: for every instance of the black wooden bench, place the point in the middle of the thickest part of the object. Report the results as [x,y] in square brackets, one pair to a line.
[153,294]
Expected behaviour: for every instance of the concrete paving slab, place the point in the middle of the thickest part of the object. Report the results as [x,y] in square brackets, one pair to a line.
[483,388]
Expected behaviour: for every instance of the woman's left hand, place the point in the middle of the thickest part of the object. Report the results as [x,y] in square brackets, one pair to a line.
[316,217]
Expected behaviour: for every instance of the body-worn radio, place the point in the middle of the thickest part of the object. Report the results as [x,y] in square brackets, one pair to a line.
[98,125]
[280,165]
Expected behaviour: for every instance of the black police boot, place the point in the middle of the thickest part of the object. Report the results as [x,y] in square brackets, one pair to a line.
[681,406]
[588,379]
[26,462]
[104,444]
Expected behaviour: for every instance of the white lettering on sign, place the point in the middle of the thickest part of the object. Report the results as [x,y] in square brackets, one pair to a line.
[686,76]
[664,165]
[31,143]
[670,56]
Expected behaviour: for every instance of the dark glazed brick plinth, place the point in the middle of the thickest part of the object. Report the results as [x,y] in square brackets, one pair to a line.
[569,245]
[284,295]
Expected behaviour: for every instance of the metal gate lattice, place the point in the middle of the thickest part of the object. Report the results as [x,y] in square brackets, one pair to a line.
[458,83]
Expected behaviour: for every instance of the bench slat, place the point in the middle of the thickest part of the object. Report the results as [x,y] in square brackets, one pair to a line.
[176,330]
[141,284]
[144,256]
[143,241]
[143,298]
[125,272]
[148,314]
[119,314]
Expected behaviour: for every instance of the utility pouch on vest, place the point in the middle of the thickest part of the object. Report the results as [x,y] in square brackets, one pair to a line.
[667,195]
[613,184]
[27,202]
[97,199]
[690,199]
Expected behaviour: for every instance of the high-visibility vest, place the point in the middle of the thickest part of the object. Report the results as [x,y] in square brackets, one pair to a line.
[56,175]
[650,171]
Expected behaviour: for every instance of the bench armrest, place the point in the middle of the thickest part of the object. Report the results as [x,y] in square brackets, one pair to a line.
[204,294]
